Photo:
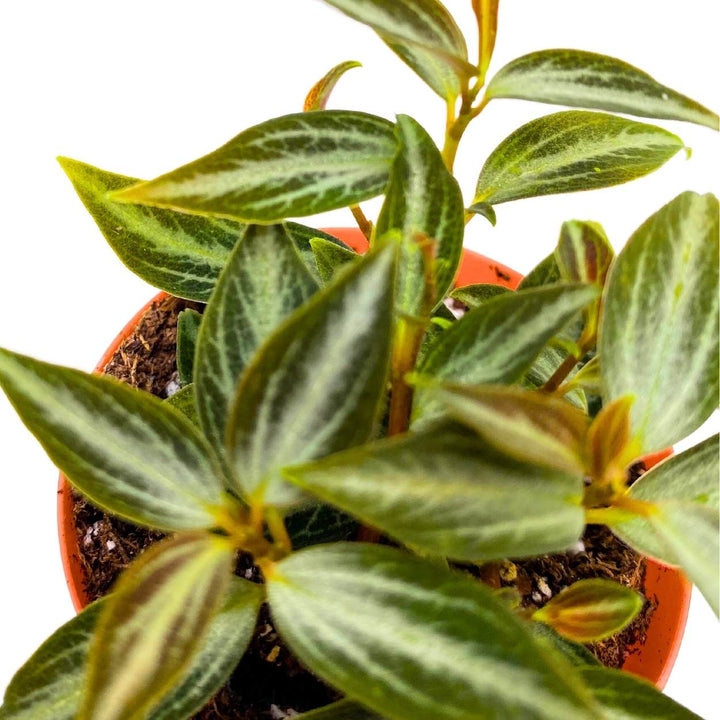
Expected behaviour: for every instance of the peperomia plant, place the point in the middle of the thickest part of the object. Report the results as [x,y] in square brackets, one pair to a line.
[320,379]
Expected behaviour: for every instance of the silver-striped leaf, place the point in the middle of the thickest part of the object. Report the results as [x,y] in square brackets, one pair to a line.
[128,451]
[153,625]
[572,151]
[178,253]
[263,282]
[290,166]
[51,684]
[422,33]
[498,341]
[423,203]
[659,330]
[685,526]
[330,257]
[623,696]
[589,80]
[446,492]
[316,385]
[414,640]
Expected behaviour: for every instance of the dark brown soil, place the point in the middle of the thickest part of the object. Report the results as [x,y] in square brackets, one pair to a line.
[269,683]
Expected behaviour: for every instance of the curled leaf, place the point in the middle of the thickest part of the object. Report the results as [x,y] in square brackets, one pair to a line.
[319,95]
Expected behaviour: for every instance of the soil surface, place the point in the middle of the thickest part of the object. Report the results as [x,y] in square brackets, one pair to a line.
[269,683]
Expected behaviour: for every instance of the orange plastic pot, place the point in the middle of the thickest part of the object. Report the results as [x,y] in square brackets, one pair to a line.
[669,589]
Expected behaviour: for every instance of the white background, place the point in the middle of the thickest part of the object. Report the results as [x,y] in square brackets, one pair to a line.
[141,87]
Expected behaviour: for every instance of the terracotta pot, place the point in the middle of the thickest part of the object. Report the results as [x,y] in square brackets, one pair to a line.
[653,660]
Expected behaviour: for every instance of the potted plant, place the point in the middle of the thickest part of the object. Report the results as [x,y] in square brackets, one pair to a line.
[319,381]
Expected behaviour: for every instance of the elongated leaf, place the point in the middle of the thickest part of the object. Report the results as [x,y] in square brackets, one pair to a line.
[572,151]
[51,684]
[486,12]
[184,401]
[180,254]
[262,284]
[343,710]
[316,384]
[153,624]
[546,272]
[317,98]
[448,493]
[583,253]
[584,79]
[424,643]
[188,326]
[625,697]
[302,237]
[319,523]
[476,295]
[610,445]
[423,200]
[422,33]
[591,610]
[659,332]
[498,341]
[291,166]
[486,210]
[684,529]
[129,452]
[330,257]
[528,425]
[576,654]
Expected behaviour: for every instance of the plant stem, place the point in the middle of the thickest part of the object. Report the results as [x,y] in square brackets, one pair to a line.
[560,374]
[363,223]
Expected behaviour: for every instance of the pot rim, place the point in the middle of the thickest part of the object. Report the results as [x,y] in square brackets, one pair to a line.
[652,660]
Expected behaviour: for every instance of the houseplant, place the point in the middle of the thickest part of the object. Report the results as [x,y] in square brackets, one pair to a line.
[421,248]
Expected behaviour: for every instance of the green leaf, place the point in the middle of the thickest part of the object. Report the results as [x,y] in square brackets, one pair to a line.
[545,273]
[584,79]
[413,640]
[591,610]
[188,325]
[587,377]
[476,295]
[446,492]
[178,253]
[342,710]
[184,401]
[294,165]
[625,697]
[125,449]
[498,341]
[263,282]
[576,654]
[572,151]
[528,425]
[316,385]
[317,98]
[330,257]
[422,33]
[486,210]
[659,332]
[319,523]
[583,253]
[51,685]
[153,624]
[684,528]
[302,237]
[423,202]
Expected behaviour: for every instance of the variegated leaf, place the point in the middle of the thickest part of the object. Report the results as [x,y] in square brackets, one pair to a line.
[591,610]
[446,492]
[531,426]
[422,33]
[572,151]
[316,384]
[423,203]
[153,624]
[583,253]
[498,341]
[188,325]
[414,640]
[589,80]
[129,452]
[290,166]
[623,696]
[263,282]
[178,253]
[317,98]
[330,257]
[546,272]
[184,401]
[51,684]
[476,295]
[684,527]
[659,331]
